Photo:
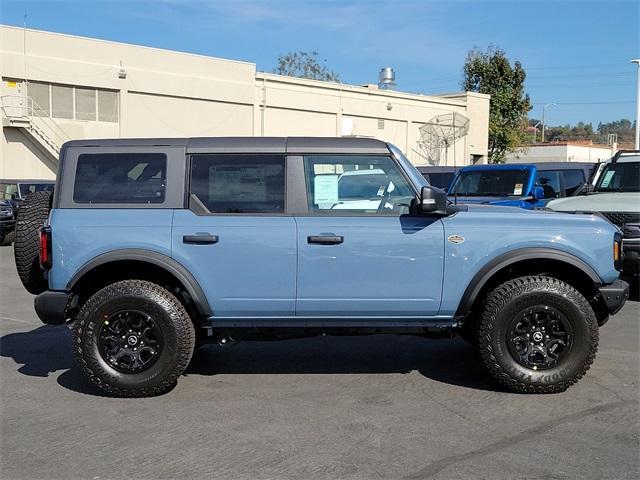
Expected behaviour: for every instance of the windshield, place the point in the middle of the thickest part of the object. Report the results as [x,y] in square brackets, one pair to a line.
[27,188]
[619,177]
[490,183]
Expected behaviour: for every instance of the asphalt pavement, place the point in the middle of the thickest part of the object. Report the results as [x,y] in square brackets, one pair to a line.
[379,407]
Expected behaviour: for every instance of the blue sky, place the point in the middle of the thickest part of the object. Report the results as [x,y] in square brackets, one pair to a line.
[576,53]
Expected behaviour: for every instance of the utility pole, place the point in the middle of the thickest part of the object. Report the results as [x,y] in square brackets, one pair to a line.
[637,147]
[544,109]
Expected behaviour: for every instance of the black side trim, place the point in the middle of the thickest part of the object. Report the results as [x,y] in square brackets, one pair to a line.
[512,257]
[163,261]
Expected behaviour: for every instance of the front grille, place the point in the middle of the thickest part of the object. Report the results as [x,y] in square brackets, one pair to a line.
[620,218]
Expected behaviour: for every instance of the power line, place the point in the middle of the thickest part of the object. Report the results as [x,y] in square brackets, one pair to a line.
[586,103]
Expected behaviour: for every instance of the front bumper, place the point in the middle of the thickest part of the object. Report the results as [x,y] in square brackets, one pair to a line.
[614,296]
[52,306]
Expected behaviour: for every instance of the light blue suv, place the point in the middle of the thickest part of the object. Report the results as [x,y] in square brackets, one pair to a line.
[151,247]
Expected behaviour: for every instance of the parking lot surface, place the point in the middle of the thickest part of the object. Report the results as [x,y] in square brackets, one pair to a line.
[387,407]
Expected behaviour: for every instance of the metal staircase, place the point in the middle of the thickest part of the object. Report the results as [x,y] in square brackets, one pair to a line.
[24,113]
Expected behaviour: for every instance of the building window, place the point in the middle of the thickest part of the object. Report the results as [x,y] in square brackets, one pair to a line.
[85,103]
[107,106]
[39,93]
[69,102]
[61,101]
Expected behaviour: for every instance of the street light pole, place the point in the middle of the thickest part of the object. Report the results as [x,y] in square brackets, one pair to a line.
[544,108]
[637,62]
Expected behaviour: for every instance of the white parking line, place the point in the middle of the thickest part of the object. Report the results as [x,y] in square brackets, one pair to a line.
[17,320]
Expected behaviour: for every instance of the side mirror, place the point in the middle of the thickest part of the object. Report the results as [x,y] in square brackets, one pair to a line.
[537,193]
[433,200]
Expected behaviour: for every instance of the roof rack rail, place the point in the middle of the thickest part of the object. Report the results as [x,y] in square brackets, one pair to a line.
[620,152]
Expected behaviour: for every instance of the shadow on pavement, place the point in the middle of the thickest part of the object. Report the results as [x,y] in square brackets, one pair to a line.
[47,350]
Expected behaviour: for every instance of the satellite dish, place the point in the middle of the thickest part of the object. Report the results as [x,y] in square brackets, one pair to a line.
[440,133]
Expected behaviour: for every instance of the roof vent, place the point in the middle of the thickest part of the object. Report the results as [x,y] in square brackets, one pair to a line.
[387,78]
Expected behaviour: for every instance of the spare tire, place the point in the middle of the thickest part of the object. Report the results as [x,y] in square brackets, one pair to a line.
[33,212]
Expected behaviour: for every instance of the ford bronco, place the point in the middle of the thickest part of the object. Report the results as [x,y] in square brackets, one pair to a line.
[149,248]
[528,186]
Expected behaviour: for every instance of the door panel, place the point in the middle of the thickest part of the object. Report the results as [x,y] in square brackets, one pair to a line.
[383,266]
[248,270]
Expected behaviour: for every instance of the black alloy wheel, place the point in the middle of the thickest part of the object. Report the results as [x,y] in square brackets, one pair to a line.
[130,341]
[539,337]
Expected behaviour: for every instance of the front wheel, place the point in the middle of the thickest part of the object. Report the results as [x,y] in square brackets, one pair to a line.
[537,335]
[133,339]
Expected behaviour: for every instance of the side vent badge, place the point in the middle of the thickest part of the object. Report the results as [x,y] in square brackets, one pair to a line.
[455,239]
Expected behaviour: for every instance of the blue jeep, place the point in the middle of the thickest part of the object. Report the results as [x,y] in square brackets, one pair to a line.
[528,186]
[149,248]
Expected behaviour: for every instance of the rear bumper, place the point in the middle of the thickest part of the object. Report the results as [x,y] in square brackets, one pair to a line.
[614,295]
[52,306]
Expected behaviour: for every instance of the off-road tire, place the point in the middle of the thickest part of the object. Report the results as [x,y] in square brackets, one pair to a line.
[33,212]
[174,321]
[503,303]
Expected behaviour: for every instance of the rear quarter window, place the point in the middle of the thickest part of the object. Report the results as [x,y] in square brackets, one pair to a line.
[120,178]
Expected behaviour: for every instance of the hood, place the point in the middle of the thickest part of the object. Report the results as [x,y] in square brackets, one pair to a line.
[598,202]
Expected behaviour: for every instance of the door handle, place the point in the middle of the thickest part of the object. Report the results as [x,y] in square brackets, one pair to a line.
[325,239]
[200,239]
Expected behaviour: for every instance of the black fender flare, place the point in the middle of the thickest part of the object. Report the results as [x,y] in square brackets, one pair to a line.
[165,262]
[514,256]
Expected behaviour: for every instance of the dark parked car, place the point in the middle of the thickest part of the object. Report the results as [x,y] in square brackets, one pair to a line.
[439,177]
[12,193]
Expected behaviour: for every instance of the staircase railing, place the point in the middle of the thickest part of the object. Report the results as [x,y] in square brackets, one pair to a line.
[24,110]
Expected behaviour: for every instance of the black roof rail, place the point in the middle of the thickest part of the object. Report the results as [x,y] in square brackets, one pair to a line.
[620,152]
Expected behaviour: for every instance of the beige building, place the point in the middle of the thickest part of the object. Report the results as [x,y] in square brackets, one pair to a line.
[562,152]
[80,87]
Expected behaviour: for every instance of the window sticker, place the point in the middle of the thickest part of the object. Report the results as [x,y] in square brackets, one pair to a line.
[607,178]
[325,189]
[381,190]
[517,190]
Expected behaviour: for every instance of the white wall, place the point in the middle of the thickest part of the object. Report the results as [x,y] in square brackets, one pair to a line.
[177,94]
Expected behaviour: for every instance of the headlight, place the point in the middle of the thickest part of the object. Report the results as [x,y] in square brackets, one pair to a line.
[617,251]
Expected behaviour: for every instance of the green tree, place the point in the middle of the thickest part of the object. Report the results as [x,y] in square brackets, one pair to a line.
[304,65]
[491,72]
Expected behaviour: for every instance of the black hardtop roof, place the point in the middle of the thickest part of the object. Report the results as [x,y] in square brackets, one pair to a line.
[291,145]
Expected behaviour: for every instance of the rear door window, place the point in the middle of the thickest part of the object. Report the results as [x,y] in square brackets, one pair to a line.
[239,183]
[549,180]
[8,191]
[573,179]
[120,178]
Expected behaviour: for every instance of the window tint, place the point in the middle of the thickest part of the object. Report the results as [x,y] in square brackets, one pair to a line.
[7,190]
[440,180]
[239,183]
[549,180]
[356,184]
[120,178]
[498,182]
[27,188]
[573,179]
[619,177]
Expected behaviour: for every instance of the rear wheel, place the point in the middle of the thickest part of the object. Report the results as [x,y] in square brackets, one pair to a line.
[33,212]
[133,339]
[537,335]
